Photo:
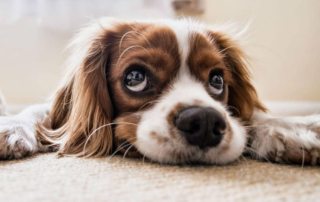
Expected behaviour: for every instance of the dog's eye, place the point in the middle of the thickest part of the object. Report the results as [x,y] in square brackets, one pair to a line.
[136,81]
[216,84]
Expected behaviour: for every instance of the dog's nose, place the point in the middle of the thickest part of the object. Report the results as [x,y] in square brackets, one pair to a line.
[201,126]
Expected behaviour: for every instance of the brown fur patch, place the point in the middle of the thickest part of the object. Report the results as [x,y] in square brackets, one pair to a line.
[174,111]
[125,134]
[242,96]
[198,102]
[170,119]
[203,58]
[155,49]
[159,138]
[82,106]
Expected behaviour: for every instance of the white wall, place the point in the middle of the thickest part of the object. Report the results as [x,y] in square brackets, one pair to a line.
[30,61]
[284,42]
[33,35]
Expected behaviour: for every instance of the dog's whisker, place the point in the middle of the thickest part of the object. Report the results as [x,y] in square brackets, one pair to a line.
[127,49]
[122,146]
[118,149]
[84,148]
[151,102]
[129,32]
[144,156]
[221,51]
[127,151]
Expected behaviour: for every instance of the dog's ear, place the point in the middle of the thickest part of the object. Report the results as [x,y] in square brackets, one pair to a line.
[242,98]
[82,107]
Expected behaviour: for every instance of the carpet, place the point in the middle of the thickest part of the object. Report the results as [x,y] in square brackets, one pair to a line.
[45,177]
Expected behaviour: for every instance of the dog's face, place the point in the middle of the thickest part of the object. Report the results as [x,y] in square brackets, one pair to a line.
[174,92]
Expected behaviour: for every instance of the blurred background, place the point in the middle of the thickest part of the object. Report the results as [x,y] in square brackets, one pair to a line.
[284,41]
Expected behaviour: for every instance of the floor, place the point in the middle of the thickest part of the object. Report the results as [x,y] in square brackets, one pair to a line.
[45,177]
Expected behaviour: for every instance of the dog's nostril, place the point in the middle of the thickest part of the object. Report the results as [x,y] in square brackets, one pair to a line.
[200,126]
[219,128]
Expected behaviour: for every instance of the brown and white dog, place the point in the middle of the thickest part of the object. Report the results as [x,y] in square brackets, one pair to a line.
[173,91]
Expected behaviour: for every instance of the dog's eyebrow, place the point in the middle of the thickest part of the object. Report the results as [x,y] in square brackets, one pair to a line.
[154,59]
[203,54]
[163,38]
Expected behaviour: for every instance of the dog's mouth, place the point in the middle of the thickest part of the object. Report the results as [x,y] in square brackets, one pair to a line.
[196,135]
[192,157]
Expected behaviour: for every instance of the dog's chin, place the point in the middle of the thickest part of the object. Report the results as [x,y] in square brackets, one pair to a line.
[191,155]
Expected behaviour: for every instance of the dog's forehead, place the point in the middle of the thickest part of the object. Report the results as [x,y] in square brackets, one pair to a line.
[168,50]
[182,40]
[192,44]
[190,37]
[183,34]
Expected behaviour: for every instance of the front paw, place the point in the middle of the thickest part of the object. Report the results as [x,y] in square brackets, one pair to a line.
[287,140]
[17,139]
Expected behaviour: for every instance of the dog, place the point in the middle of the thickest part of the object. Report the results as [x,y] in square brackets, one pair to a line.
[171,91]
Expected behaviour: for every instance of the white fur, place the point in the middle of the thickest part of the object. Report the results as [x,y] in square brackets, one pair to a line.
[283,135]
[17,133]
[183,36]
[2,106]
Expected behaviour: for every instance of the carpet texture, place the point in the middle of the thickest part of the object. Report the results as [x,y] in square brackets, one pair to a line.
[45,177]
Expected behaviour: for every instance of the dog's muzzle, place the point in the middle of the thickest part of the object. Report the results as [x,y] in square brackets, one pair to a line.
[201,126]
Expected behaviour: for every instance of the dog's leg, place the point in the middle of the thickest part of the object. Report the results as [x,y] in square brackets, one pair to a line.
[285,140]
[2,106]
[18,133]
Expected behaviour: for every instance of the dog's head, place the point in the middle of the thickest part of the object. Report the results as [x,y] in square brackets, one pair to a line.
[173,91]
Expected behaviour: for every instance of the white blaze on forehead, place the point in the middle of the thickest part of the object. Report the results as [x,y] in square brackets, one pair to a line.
[182,32]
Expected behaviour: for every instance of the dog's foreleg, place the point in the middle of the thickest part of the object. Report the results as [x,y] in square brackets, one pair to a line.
[285,140]
[3,111]
[18,133]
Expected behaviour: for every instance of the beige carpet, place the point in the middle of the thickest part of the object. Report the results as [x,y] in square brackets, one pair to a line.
[45,177]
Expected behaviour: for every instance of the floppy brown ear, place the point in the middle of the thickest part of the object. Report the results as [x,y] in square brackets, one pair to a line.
[243,97]
[83,105]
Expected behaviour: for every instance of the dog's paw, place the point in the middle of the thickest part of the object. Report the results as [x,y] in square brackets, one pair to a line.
[17,138]
[287,140]
[2,106]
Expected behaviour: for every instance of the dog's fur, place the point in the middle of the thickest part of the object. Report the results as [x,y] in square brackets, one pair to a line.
[2,106]
[95,114]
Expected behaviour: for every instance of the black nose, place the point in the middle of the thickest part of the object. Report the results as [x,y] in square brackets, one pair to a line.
[201,126]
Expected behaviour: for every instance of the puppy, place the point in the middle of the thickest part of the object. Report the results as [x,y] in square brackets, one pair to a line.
[173,91]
